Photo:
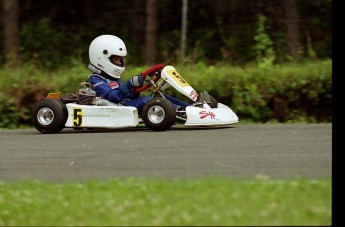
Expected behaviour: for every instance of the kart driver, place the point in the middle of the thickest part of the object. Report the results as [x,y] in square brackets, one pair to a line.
[107,62]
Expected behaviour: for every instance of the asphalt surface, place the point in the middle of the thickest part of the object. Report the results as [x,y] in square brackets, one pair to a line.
[276,151]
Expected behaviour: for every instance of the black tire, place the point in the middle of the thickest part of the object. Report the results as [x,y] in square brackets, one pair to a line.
[49,116]
[159,114]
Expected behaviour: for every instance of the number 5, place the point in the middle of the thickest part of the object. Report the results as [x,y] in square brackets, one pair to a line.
[77,117]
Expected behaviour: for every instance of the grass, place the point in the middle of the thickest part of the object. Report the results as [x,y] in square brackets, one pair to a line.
[152,202]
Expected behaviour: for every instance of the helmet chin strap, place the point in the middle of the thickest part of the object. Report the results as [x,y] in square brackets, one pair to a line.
[107,76]
[93,69]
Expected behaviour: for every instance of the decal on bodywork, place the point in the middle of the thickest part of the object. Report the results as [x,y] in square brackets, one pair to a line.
[203,114]
[77,117]
[178,78]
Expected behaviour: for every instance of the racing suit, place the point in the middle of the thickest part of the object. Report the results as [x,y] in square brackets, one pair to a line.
[115,91]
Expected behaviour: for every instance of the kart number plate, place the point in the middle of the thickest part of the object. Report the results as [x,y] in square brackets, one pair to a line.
[77,117]
[177,78]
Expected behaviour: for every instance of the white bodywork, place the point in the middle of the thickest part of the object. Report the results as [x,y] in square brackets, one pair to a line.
[222,115]
[101,116]
[108,115]
[127,116]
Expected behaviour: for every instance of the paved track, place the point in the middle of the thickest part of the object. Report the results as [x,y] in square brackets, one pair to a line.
[278,151]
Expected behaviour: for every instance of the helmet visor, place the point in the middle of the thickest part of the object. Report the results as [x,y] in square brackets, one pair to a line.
[117,60]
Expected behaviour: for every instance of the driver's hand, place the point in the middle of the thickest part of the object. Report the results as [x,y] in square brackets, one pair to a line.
[137,81]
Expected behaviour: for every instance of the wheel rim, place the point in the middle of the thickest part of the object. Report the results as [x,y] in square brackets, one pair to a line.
[45,116]
[156,114]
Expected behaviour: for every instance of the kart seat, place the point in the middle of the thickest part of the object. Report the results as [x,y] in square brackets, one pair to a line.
[103,102]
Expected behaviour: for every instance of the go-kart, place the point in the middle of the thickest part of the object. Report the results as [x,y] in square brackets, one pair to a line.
[56,112]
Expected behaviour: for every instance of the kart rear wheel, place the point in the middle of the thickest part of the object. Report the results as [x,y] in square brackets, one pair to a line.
[159,114]
[49,116]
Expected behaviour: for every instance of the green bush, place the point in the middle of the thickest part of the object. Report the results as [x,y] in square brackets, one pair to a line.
[9,116]
[292,92]
[20,89]
[283,93]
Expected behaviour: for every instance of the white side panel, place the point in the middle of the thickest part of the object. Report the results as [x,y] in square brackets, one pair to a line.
[101,116]
[222,115]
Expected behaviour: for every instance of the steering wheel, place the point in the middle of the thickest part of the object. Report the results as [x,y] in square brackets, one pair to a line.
[149,72]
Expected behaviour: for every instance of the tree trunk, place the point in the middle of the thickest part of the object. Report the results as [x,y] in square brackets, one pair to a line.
[293,29]
[151,32]
[11,38]
[138,37]
[184,30]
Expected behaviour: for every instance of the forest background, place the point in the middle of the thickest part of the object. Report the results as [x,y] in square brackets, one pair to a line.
[269,60]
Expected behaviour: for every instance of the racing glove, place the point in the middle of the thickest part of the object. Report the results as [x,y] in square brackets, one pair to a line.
[135,81]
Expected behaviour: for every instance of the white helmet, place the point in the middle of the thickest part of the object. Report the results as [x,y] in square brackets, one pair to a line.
[107,53]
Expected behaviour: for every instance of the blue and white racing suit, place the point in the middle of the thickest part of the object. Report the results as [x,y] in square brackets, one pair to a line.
[117,92]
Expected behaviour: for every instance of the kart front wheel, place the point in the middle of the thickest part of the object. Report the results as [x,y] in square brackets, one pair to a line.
[49,116]
[159,114]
